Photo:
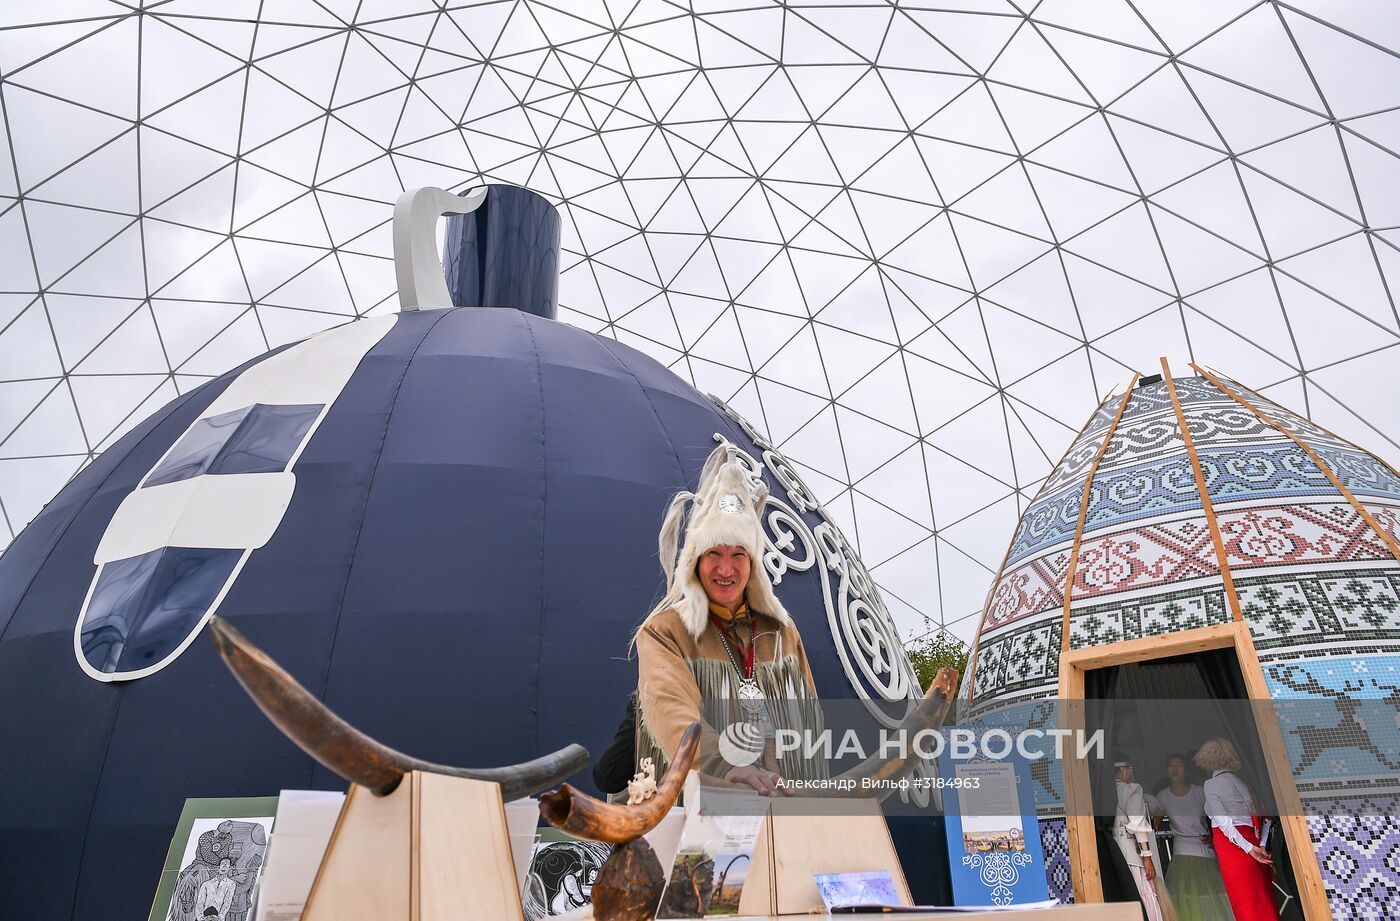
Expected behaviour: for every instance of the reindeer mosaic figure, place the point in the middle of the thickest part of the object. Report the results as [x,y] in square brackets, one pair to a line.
[1349,731]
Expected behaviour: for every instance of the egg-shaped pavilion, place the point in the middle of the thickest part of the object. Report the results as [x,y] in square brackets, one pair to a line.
[1193,513]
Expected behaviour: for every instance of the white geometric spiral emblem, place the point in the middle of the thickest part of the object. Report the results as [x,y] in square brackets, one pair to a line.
[999,872]
[741,744]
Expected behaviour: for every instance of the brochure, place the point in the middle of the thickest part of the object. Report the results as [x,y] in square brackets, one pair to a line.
[304,823]
[844,890]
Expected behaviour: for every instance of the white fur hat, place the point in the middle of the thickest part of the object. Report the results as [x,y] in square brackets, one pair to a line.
[726,510]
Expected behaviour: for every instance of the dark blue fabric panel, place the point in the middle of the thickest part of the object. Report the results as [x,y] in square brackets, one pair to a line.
[55,723]
[505,253]
[437,642]
[611,471]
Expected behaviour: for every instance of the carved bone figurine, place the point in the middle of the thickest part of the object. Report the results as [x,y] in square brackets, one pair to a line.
[642,787]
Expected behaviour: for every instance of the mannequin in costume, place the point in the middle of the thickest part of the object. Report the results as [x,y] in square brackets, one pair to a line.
[1193,879]
[1133,832]
[719,647]
[1245,866]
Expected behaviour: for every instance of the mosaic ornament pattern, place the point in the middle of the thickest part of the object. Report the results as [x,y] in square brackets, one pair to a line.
[1054,841]
[1162,553]
[1387,516]
[1026,659]
[1349,608]
[1317,581]
[1358,849]
[1289,535]
[1033,587]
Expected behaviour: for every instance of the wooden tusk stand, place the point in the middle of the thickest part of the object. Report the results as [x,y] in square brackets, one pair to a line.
[435,849]
[792,847]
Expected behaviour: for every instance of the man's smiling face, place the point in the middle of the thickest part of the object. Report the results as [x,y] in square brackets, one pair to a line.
[724,573]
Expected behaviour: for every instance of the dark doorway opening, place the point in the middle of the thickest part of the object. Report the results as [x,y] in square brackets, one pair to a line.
[1151,709]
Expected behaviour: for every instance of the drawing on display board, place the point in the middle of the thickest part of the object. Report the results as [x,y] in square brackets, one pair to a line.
[220,868]
[561,874]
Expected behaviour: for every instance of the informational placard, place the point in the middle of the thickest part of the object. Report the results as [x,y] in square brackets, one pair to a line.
[994,852]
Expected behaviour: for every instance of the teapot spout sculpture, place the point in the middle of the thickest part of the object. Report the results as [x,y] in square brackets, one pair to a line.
[349,752]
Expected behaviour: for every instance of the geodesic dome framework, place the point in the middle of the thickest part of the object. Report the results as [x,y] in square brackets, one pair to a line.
[913,244]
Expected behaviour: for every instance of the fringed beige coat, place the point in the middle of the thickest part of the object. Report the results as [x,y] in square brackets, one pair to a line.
[681,680]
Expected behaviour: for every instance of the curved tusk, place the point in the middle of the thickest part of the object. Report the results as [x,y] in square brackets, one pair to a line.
[928,714]
[583,816]
[350,753]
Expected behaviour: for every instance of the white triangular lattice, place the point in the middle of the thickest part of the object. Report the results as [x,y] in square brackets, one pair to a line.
[916,245]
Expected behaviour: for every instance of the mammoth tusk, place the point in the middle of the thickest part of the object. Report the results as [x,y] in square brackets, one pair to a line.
[350,753]
[928,714]
[583,816]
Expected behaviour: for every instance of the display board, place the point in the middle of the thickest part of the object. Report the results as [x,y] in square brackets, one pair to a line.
[994,853]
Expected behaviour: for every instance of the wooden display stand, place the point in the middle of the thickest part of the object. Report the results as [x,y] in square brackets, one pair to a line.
[435,849]
[848,836]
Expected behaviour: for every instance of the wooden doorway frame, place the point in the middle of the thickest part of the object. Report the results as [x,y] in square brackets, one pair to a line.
[1079,810]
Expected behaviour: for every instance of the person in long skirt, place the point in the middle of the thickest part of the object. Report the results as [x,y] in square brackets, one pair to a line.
[1136,838]
[1193,877]
[1245,866]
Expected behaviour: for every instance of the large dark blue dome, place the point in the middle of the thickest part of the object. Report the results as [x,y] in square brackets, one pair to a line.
[469,545]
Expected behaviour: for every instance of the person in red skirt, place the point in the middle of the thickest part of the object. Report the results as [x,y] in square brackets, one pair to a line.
[1245,866]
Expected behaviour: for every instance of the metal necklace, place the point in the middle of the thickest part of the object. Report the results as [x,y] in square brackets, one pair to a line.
[750,694]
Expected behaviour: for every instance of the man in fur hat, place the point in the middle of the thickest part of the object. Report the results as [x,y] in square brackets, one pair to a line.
[720,648]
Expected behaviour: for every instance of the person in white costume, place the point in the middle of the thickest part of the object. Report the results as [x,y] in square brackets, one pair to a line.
[1133,831]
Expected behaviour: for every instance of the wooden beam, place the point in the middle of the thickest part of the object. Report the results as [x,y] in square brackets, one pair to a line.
[1312,894]
[1079,805]
[1084,511]
[1207,507]
[1216,636]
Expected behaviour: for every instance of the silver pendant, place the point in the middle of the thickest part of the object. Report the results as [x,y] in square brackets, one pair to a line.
[750,696]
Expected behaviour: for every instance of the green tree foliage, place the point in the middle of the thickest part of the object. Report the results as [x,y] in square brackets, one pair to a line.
[935,649]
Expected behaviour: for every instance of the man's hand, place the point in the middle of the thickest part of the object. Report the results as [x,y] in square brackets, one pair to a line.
[1148,870]
[760,779]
